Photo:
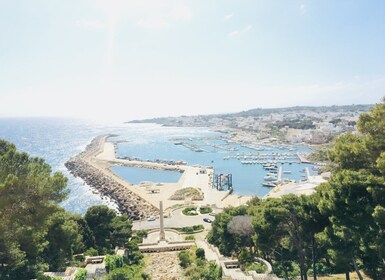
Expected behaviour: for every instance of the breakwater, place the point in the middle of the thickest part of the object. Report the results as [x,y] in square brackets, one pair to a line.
[128,202]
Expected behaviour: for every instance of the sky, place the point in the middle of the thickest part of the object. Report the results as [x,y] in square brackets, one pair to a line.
[125,59]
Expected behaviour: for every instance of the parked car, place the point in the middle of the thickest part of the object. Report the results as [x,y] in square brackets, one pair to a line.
[151,218]
[207,220]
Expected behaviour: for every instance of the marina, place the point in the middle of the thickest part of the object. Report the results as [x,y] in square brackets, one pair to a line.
[248,164]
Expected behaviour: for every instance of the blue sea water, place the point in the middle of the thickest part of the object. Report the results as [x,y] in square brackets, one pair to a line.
[136,175]
[57,140]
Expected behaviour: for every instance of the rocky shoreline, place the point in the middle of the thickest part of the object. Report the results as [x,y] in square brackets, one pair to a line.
[128,202]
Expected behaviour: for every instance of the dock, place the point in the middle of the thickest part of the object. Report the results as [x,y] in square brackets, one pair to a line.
[279,177]
[307,172]
[303,159]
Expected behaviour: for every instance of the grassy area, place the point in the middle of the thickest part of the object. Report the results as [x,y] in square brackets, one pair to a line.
[189,237]
[193,193]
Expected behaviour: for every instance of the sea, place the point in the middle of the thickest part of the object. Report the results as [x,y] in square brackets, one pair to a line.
[57,140]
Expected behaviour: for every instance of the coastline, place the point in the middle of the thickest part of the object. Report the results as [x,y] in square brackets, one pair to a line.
[84,166]
[139,200]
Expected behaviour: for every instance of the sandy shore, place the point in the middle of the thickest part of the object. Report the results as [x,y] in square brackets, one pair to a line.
[101,156]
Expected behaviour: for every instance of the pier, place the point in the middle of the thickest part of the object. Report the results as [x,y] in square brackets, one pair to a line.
[279,177]
[307,173]
[303,159]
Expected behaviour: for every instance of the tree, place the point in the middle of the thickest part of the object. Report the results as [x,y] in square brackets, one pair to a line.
[113,262]
[220,235]
[29,195]
[184,259]
[350,152]
[64,239]
[85,231]
[241,225]
[121,230]
[109,230]
[200,253]
[100,219]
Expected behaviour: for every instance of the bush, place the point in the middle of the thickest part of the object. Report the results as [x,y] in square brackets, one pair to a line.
[81,274]
[91,252]
[191,229]
[245,257]
[189,237]
[142,233]
[79,258]
[200,253]
[205,210]
[113,262]
[184,259]
[190,211]
[257,267]
[132,272]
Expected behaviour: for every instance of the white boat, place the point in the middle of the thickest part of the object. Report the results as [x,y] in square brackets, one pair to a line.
[270,185]
[270,178]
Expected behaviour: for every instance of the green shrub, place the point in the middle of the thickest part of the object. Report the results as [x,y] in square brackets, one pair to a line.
[205,210]
[184,259]
[198,227]
[189,211]
[257,267]
[189,237]
[79,258]
[200,253]
[245,257]
[191,229]
[113,262]
[81,274]
[132,272]
[91,252]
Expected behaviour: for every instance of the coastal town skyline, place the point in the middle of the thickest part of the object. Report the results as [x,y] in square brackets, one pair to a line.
[141,59]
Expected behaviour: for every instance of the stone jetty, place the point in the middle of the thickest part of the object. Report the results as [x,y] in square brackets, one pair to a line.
[128,202]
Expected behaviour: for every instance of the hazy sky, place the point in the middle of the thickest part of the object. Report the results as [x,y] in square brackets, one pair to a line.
[135,59]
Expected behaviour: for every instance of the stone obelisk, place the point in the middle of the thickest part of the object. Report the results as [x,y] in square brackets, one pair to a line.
[162,236]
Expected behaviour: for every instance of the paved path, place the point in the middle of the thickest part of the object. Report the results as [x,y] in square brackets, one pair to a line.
[176,220]
[210,254]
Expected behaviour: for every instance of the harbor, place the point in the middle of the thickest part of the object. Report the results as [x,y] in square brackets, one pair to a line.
[244,161]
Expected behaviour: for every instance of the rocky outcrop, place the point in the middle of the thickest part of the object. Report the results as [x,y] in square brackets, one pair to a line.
[128,202]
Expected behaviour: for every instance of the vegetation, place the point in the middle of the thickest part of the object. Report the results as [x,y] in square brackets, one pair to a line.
[196,267]
[191,229]
[320,154]
[339,229]
[192,193]
[37,235]
[189,237]
[295,123]
[257,267]
[133,272]
[81,274]
[190,211]
[205,210]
